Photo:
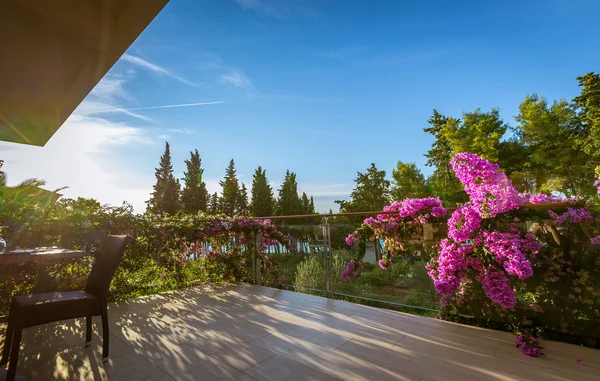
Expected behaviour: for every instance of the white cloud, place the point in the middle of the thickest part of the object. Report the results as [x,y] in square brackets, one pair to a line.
[212,185]
[111,87]
[276,10]
[216,67]
[87,153]
[236,78]
[154,68]
[320,190]
[79,156]
[105,97]
[326,190]
[209,61]
[95,106]
[185,131]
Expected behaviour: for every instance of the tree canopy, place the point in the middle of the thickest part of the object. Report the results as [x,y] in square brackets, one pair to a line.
[408,182]
[194,196]
[289,202]
[230,194]
[165,197]
[371,192]
[263,202]
[553,147]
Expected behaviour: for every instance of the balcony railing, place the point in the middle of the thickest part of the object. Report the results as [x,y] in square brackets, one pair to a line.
[171,254]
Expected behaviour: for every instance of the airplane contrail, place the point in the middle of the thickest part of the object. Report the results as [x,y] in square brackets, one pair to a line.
[156,107]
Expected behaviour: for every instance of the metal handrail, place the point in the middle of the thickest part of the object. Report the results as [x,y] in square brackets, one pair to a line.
[355,214]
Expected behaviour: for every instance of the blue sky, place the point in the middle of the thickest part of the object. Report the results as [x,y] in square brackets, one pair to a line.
[322,88]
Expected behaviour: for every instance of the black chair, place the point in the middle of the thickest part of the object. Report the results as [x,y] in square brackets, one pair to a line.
[31,310]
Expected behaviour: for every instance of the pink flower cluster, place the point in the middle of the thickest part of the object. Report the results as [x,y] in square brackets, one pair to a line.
[411,206]
[529,345]
[497,287]
[385,263]
[488,188]
[530,245]
[352,238]
[352,269]
[463,223]
[409,209]
[450,266]
[491,193]
[595,240]
[573,216]
[508,251]
[541,198]
[391,226]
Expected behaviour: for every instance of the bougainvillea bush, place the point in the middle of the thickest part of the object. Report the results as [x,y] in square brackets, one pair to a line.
[528,261]
[402,223]
[166,254]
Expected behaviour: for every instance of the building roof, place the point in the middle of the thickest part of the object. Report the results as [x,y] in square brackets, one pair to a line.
[54,53]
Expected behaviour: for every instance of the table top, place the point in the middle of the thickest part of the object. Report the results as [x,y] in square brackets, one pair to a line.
[39,254]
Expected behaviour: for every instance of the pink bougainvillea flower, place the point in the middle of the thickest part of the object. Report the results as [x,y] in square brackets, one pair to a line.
[352,238]
[351,270]
[488,188]
[463,223]
[497,287]
[573,216]
[580,362]
[529,345]
[385,263]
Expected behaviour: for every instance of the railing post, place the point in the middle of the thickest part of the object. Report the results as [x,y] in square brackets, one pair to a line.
[256,258]
[253,260]
[328,259]
[377,249]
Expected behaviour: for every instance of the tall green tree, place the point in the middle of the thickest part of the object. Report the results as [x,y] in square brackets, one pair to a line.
[515,160]
[587,106]
[443,182]
[440,153]
[478,132]
[194,196]
[371,192]
[556,163]
[214,204]
[263,202]
[308,204]
[229,202]
[165,197]
[242,201]
[289,203]
[408,182]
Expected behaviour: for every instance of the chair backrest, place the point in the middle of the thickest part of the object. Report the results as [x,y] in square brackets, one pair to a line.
[105,266]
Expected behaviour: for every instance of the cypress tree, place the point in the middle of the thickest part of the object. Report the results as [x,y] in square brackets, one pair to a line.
[263,203]
[306,209]
[289,203]
[242,201]
[165,197]
[213,207]
[194,197]
[230,191]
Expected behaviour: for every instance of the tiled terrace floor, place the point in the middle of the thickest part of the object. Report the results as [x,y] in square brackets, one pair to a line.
[246,332]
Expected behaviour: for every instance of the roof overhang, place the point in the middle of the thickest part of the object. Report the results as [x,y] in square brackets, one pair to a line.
[53,53]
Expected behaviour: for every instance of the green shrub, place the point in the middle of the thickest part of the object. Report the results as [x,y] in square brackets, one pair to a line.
[422,293]
[310,274]
[287,263]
